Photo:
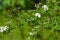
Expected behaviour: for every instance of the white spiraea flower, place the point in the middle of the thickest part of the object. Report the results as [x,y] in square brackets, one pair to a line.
[31,33]
[45,7]
[3,28]
[38,15]
[38,5]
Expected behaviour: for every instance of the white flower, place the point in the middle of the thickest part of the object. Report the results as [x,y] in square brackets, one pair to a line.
[31,33]
[45,7]
[3,28]
[38,5]
[38,15]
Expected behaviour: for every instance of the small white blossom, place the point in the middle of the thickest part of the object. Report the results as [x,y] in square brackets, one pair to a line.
[3,28]
[45,7]
[31,33]
[38,15]
[38,5]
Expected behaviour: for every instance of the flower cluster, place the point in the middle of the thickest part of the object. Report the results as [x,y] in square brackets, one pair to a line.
[38,15]
[3,28]
[33,32]
[45,7]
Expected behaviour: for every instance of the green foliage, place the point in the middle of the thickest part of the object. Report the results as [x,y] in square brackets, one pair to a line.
[6,3]
[23,23]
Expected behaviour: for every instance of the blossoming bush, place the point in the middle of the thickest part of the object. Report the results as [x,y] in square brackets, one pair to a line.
[42,23]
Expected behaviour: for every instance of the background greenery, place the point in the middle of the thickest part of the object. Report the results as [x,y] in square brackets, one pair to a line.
[21,20]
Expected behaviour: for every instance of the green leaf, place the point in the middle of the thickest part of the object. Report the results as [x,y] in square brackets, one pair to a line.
[22,2]
[6,2]
[13,2]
